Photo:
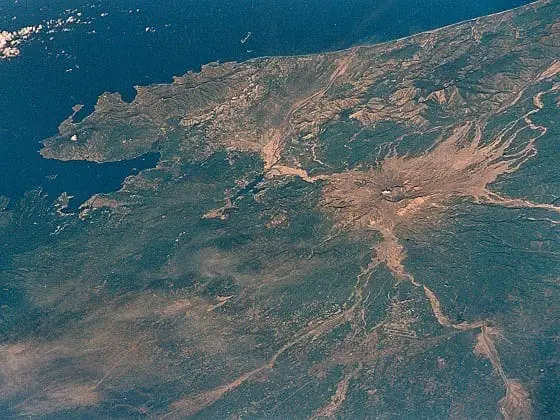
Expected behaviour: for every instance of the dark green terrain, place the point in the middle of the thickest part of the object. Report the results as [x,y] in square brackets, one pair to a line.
[369,233]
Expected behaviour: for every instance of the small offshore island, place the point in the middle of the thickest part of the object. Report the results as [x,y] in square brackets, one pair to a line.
[370,232]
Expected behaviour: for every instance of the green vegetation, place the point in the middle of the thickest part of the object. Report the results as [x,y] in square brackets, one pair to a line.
[267,268]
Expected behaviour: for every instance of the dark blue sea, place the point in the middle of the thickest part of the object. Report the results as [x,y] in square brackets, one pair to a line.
[127,43]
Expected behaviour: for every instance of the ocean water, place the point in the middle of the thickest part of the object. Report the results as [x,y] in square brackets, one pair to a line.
[126,43]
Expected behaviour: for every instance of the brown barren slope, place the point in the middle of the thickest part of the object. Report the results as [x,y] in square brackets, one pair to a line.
[375,142]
